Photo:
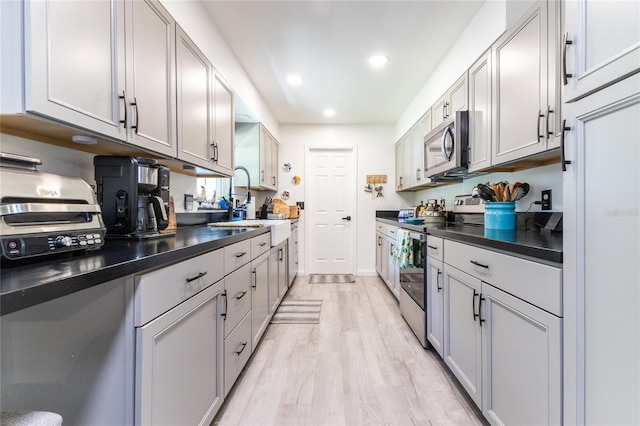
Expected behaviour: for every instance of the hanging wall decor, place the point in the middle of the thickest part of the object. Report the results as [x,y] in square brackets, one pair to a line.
[286,167]
[296,180]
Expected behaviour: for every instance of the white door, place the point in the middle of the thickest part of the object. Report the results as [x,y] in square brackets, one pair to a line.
[331,206]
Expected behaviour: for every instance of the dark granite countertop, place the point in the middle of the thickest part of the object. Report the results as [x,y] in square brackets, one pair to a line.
[30,282]
[535,245]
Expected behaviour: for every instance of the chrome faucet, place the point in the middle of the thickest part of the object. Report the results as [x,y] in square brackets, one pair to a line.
[231,194]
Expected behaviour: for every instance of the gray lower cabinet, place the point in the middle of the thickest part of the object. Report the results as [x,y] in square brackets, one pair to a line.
[277,274]
[179,330]
[503,333]
[435,293]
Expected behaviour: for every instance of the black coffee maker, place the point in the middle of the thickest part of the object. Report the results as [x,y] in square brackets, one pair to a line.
[133,193]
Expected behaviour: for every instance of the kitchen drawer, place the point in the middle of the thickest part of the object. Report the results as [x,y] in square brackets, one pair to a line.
[158,291]
[237,349]
[435,247]
[238,289]
[392,231]
[381,227]
[236,255]
[536,283]
[260,244]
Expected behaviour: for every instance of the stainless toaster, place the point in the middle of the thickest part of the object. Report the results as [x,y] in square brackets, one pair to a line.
[44,213]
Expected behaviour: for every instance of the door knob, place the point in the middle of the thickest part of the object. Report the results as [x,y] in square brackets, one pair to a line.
[346,218]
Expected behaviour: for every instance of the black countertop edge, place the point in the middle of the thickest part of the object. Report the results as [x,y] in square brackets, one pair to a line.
[532,245]
[30,283]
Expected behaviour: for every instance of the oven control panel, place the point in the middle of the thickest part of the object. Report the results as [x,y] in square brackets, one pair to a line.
[467,204]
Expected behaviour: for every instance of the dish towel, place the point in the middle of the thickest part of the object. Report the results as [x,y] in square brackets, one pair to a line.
[403,253]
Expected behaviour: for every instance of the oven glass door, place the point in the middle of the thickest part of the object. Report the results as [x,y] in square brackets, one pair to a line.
[412,280]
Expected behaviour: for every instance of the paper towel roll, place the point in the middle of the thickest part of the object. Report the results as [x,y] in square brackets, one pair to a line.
[251,210]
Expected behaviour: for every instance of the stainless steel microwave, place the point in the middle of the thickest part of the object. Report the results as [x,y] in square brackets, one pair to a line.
[446,149]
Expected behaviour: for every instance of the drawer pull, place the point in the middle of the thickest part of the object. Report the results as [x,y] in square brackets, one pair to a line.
[432,247]
[197,277]
[241,254]
[240,295]
[244,345]
[262,244]
[479,264]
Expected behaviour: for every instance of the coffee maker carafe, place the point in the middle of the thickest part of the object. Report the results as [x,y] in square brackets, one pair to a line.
[133,194]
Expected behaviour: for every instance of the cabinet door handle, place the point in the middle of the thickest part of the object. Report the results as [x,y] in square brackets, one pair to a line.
[238,255]
[432,247]
[540,115]
[197,277]
[444,110]
[479,264]
[244,345]
[135,104]
[254,277]
[273,178]
[564,161]
[261,175]
[240,295]
[549,112]
[473,305]
[124,104]
[480,310]
[438,286]
[224,312]
[214,145]
[565,43]
[418,174]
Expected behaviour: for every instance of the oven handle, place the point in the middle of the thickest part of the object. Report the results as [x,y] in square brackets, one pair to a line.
[19,208]
[416,235]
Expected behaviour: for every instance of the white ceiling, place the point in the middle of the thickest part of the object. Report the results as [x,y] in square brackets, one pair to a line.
[328,43]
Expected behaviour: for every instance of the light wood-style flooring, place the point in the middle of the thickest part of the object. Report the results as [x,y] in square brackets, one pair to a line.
[361,365]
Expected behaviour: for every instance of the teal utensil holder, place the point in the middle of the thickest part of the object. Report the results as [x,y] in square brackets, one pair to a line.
[500,215]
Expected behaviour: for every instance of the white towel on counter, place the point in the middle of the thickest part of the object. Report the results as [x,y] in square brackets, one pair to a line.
[403,253]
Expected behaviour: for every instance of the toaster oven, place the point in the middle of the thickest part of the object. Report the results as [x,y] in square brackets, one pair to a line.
[44,213]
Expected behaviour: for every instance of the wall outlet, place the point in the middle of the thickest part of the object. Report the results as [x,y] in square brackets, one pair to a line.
[546,199]
[300,204]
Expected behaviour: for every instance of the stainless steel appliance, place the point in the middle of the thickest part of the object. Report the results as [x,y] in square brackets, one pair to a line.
[413,283]
[44,213]
[446,149]
[134,195]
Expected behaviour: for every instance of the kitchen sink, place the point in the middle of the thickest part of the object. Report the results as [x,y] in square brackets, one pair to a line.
[280,229]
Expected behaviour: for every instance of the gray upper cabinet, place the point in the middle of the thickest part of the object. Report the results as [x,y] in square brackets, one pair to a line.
[602,44]
[60,79]
[525,101]
[223,127]
[194,102]
[455,99]
[257,150]
[204,105]
[480,113]
[151,82]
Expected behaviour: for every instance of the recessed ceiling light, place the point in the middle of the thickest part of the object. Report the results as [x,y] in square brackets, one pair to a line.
[294,80]
[378,61]
[329,112]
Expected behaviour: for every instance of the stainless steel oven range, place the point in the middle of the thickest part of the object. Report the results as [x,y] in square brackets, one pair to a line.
[413,282]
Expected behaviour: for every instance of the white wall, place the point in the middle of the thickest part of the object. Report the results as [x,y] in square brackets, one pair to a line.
[488,24]
[375,156]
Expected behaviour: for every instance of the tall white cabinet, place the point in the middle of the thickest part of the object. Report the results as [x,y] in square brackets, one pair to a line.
[602,248]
